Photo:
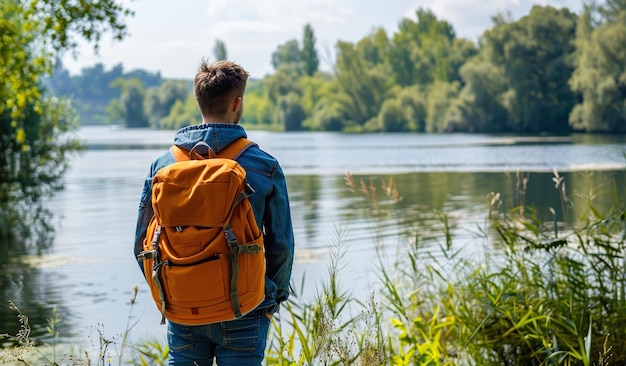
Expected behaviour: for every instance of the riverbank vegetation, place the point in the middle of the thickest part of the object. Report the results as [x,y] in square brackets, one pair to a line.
[550,71]
[523,291]
[37,128]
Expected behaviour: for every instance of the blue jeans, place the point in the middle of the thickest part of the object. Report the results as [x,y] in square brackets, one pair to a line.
[238,342]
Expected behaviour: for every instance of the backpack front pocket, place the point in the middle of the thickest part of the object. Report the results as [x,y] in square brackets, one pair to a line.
[196,283]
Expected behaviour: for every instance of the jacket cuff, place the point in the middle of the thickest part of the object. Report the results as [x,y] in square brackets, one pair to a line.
[272,309]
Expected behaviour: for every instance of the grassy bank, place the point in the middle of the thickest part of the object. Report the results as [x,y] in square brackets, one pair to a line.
[522,292]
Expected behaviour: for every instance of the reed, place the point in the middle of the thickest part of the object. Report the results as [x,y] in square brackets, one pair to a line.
[23,350]
[535,295]
[323,330]
[524,292]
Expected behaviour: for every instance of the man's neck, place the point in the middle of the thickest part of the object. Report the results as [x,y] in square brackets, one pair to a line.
[216,120]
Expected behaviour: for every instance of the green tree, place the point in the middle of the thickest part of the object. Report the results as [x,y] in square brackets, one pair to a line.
[36,128]
[129,109]
[282,82]
[94,83]
[291,113]
[183,113]
[600,75]
[314,89]
[441,97]
[462,50]
[420,51]
[288,54]
[309,53]
[375,48]
[257,108]
[535,54]
[413,103]
[364,89]
[423,57]
[159,100]
[392,117]
[91,90]
[481,106]
[609,10]
[219,50]
[285,81]
[328,115]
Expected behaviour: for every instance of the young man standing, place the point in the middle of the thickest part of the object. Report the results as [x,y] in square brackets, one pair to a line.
[219,89]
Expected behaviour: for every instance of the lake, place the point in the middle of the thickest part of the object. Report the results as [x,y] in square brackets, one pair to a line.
[89,271]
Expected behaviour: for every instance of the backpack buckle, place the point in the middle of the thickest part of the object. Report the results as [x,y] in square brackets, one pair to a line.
[146,254]
[233,243]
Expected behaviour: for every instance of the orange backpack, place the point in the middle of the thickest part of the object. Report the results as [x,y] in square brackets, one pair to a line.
[203,256]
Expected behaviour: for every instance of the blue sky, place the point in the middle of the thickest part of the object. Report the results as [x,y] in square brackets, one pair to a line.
[173,39]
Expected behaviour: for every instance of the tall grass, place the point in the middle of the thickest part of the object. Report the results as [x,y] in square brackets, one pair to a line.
[22,349]
[526,292]
[523,292]
[328,330]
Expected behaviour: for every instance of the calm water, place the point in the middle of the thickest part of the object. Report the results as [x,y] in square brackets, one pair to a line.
[89,271]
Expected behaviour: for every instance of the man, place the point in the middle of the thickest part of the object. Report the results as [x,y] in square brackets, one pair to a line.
[219,89]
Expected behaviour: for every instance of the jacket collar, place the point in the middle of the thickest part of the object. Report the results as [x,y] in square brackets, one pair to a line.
[217,135]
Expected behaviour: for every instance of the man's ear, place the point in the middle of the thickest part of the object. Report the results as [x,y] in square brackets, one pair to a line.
[237,104]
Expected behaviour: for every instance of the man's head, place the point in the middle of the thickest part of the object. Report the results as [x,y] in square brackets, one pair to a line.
[219,88]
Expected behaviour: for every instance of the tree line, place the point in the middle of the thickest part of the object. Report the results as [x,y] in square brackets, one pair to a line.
[95,88]
[549,71]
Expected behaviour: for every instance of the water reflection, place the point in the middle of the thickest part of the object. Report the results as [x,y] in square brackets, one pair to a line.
[36,293]
[465,198]
[94,271]
[25,285]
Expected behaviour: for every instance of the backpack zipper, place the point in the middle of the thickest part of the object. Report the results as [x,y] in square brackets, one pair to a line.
[214,257]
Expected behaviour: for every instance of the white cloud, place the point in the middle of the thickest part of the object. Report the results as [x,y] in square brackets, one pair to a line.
[471,18]
[254,28]
[173,39]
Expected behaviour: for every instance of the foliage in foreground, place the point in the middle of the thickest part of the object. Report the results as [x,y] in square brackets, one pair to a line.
[105,350]
[550,295]
[37,130]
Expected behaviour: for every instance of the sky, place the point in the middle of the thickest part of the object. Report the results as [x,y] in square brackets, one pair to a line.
[173,39]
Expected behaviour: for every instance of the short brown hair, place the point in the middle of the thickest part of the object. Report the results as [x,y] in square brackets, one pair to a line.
[216,84]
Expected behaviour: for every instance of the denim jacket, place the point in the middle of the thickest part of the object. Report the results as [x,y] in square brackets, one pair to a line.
[270,202]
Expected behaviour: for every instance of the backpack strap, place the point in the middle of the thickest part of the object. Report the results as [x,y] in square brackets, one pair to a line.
[235,148]
[232,151]
[234,249]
